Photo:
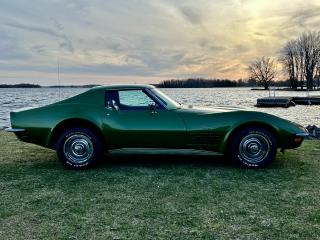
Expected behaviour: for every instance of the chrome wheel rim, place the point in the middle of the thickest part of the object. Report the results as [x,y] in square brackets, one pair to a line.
[78,148]
[254,148]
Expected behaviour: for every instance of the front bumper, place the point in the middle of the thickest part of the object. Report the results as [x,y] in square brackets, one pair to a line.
[304,134]
[299,137]
[294,140]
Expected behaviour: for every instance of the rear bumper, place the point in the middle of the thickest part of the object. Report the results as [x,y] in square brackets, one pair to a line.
[20,133]
[15,130]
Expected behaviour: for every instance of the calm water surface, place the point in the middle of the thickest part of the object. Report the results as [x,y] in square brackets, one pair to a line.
[12,99]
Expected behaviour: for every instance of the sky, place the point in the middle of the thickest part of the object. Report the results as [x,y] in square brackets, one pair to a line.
[143,41]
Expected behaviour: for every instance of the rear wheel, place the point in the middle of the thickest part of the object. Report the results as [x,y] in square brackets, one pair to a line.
[253,147]
[79,148]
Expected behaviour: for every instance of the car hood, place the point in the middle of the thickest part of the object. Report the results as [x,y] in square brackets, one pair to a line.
[230,117]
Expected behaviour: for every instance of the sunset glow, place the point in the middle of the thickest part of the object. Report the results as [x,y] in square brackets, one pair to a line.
[144,41]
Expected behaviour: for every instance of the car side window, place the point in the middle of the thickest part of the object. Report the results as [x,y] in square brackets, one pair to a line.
[134,98]
[129,100]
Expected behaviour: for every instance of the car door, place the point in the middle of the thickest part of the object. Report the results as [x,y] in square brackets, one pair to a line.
[135,119]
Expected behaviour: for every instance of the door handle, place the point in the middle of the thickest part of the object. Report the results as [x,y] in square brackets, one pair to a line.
[153,112]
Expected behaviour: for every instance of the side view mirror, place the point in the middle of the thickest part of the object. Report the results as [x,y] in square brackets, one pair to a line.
[113,105]
[152,107]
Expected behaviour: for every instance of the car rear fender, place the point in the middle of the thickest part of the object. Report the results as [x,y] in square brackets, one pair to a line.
[72,123]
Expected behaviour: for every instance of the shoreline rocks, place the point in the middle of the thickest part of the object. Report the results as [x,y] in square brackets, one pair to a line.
[314,131]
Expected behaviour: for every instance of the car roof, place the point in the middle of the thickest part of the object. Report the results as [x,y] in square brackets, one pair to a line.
[122,87]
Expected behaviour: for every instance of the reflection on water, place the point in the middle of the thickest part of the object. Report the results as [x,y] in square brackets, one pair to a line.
[12,99]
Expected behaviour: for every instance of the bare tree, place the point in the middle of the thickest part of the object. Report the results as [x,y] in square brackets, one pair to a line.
[291,62]
[301,59]
[263,70]
[317,76]
[309,48]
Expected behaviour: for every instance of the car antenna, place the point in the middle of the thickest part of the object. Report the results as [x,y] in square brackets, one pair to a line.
[59,90]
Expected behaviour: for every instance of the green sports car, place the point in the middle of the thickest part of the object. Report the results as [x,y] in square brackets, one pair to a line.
[82,128]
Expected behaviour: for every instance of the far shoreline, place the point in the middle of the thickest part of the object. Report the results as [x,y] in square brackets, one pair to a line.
[252,88]
[27,85]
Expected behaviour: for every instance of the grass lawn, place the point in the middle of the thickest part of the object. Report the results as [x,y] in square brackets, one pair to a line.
[157,197]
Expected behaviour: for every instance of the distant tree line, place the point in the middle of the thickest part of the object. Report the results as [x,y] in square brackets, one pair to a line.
[208,83]
[20,85]
[299,60]
[197,83]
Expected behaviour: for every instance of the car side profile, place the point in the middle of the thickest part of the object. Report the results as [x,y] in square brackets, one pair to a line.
[82,128]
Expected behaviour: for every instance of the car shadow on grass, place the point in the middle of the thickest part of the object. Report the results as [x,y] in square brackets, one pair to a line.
[148,160]
[164,159]
[160,160]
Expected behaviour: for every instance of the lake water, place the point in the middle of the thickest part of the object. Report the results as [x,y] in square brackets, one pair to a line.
[12,99]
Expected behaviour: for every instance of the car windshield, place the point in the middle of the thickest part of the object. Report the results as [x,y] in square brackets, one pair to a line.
[170,103]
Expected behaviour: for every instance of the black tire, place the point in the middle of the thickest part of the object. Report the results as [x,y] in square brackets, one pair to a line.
[79,148]
[252,147]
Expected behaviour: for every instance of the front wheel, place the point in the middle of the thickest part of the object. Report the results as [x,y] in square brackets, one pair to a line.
[253,147]
[79,148]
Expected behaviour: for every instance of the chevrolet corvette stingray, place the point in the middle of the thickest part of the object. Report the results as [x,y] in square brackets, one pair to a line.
[82,128]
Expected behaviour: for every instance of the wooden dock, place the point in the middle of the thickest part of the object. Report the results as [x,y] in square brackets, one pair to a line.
[275,102]
[314,100]
[287,101]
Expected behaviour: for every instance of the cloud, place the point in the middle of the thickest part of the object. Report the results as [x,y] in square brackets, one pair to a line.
[191,15]
[159,39]
[304,15]
[10,51]
[39,49]
[65,42]
[207,44]
[259,34]
[230,68]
